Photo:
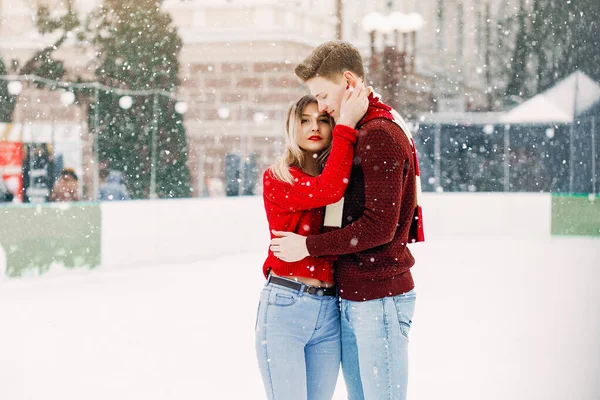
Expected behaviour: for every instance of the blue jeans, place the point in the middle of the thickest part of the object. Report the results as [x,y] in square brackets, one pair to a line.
[375,346]
[298,344]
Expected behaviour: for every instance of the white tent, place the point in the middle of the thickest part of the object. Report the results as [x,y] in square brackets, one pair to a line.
[562,103]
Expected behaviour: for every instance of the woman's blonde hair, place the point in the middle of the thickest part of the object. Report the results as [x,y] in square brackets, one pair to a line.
[293,154]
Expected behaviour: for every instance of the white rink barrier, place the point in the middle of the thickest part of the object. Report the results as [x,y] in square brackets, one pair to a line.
[160,232]
[487,215]
[139,233]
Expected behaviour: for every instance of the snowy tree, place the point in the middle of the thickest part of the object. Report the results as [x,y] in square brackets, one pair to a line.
[137,48]
[498,39]
[529,50]
[518,62]
[555,38]
[41,62]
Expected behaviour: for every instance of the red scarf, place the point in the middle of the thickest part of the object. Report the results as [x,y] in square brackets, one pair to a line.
[377,109]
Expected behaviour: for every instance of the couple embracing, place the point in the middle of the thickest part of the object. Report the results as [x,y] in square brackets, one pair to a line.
[342,206]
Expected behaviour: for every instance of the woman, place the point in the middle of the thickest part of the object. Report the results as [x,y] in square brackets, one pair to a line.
[298,325]
[66,187]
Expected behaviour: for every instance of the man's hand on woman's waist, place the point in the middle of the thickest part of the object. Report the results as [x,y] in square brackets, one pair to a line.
[289,246]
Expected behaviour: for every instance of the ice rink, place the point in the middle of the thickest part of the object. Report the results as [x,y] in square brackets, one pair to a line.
[496,319]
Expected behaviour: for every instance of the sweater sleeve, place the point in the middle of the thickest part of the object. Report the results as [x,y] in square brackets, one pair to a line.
[384,163]
[316,191]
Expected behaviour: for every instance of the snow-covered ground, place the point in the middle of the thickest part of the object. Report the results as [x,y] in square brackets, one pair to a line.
[496,319]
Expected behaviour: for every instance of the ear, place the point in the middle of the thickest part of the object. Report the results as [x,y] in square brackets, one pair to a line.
[351,78]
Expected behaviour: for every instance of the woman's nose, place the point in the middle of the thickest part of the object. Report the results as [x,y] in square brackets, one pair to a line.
[314,126]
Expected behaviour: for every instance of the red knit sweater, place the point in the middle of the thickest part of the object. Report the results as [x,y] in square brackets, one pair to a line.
[299,207]
[379,207]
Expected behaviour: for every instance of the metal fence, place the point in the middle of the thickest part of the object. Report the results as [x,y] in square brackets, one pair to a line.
[512,158]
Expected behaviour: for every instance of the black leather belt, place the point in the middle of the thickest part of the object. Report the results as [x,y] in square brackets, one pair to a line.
[317,291]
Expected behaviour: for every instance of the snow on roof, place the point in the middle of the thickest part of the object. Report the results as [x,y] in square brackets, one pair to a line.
[463,118]
[562,103]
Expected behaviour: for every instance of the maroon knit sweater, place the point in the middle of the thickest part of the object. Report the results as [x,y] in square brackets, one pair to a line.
[379,205]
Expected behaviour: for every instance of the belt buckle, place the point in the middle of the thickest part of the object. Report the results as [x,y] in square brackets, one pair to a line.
[316,291]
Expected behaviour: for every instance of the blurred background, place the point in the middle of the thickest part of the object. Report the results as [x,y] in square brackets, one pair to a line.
[176,107]
[187,98]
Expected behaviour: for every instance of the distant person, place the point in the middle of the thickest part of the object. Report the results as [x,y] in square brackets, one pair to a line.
[6,195]
[13,184]
[103,174]
[66,187]
[113,188]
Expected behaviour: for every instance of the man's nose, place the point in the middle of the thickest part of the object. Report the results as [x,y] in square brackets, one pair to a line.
[322,107]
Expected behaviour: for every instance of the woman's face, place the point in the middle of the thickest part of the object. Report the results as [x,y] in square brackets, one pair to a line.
[315,130]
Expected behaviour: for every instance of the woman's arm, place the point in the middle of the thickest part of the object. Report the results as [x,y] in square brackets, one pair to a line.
[316,191]
[307,191]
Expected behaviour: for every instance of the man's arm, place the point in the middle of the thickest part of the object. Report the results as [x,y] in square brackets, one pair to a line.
[384,160]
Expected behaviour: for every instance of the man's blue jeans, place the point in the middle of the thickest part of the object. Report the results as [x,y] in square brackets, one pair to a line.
[298,344]
[375,346]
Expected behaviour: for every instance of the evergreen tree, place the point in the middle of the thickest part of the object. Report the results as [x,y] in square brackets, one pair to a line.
[42,63]
[557,38]
[540,28]
[518,65]
[138,48]
[7,101]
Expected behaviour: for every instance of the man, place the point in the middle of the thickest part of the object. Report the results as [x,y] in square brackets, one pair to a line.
[379,216]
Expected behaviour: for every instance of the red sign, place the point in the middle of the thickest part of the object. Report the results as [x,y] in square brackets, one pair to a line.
[11,161]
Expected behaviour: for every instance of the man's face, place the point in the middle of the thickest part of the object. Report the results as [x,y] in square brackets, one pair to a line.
[329,94]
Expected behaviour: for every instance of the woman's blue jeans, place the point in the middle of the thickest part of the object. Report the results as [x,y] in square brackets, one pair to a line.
[298,344]
[375,346]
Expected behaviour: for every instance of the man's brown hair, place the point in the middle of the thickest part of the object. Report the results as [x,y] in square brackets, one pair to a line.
[331,59]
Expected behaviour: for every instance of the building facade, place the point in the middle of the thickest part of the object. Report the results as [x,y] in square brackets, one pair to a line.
[237,62]
[238,77]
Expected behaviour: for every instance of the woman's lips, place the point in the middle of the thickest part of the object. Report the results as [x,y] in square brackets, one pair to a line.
[315,138]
